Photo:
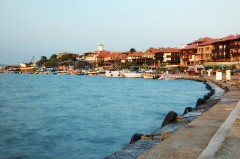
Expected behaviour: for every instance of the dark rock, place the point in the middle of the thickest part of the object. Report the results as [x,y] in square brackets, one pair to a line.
[205,98]
[135,138]
[208,86]
[187,109]
[209,94]
[171,117]
[212,92]
[226,88]
[200,101]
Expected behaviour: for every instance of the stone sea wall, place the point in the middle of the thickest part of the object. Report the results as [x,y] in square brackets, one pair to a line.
[143,143]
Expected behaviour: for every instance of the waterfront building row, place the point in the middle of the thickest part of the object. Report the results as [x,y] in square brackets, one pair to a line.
[204,50]
[201,51]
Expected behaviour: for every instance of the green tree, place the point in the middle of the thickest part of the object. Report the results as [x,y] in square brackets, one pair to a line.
[53,57]
[44,58]
[132,50]
[51,63]
[41,62]
[67,57]
[67,60]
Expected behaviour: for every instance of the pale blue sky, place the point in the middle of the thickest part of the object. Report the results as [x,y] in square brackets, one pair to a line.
[44,27]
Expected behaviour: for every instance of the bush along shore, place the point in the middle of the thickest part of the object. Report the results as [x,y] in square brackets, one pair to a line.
[141,143]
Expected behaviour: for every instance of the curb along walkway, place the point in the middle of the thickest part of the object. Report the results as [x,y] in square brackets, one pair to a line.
[215,134]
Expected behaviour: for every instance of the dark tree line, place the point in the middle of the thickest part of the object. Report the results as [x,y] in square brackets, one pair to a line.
[67,60]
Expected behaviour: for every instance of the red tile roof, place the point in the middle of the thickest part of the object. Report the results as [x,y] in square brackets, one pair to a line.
[169,50]
[103,54]
[227,38]
[136,54]
[153,50]
[237,36]
[209,42]
[190,47]
[112,55]
[148,53]
[201,40]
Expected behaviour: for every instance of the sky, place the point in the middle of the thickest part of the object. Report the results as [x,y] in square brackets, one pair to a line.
[44,27]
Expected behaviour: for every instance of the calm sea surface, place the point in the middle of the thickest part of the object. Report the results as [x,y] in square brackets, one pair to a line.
[83,117]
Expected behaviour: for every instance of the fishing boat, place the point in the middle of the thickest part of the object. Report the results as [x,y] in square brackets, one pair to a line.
[63,72]
[115,74]
[150,74]
[92,73]
[132,74]
[76,72]
[166,77]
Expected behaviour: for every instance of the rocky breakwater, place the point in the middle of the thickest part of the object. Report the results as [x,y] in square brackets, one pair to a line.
[142,143]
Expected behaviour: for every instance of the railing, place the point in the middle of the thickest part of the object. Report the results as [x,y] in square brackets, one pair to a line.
[235,54]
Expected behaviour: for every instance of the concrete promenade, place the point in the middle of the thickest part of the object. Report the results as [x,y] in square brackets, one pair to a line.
[215,134]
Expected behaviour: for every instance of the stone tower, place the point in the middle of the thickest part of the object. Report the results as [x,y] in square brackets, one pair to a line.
[100,47]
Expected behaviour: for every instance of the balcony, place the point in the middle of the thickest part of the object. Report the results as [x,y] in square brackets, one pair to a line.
[185,59]
[228,55]
[235,54]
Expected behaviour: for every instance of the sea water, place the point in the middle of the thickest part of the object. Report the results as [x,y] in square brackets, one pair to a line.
[83,117]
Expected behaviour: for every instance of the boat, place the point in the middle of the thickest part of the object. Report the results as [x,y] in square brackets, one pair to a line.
[116,74]
[166,77]
[92,73]
[63,72]
[82,73]
[76,72]
[132,74]
[150,74]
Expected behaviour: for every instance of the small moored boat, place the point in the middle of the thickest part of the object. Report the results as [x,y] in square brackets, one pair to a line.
[167,77]
[132,74]
[150,75]
[116,74]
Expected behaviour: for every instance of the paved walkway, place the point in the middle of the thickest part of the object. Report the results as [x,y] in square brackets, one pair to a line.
[215,134]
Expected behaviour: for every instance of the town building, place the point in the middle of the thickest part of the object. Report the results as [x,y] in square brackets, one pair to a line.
[204,51]
[227,49]
[136,58]
[190,51]
[234,46]
[168,56]
[91,57]
[149,56]
[100,47]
